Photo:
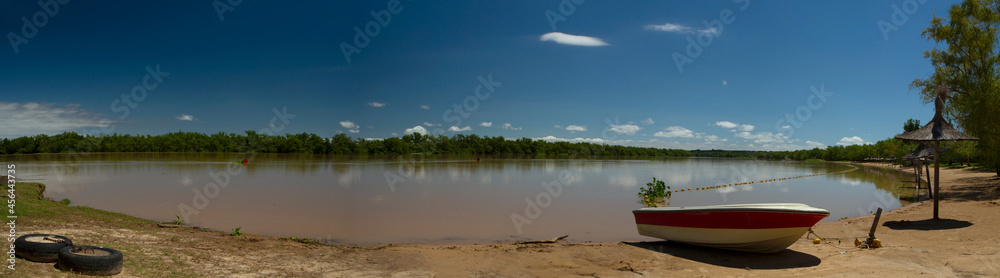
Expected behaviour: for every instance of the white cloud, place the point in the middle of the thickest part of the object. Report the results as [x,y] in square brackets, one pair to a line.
[576,128]
[763,137]
[736,127]
[551,138]
[377,104]
[350,126]
[425,107]
[712,138]
[558,127]
[457,129]
[853,140]
[486,124]
[675,132]
[430,124]
[628,129]
[17,119]
[186,117]
[509,126]
[814,144]
[669,27]
[648,121]
[724,83]
[568,39]
[416,129]
[711,31]
[677,28]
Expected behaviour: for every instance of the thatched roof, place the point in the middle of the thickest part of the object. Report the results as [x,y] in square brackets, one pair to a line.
[922,151]
[937,129]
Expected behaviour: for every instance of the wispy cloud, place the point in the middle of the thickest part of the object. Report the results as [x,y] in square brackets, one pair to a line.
[648,121]
[185,117]
[377,104]
[458,129]
[551,138]
[678,28]
[509,126]
[736,127]
[430,124]
[628,129]
[853,140]
[675,132]
[567,39]
[764,137]
[23,119]
[724,83]
[416,129]
[814,144]
[350,126]
[576,128]
[670,27]
[486,124]
[425,107]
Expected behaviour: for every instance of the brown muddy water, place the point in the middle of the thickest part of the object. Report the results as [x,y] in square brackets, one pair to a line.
[437,199]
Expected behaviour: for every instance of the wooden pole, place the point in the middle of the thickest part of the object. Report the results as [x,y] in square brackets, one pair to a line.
[937,178]
[871,233]
[927,170]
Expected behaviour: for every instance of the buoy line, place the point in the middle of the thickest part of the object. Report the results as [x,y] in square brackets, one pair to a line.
[706,188]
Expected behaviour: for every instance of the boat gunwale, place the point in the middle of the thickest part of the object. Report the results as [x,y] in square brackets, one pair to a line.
[777,207]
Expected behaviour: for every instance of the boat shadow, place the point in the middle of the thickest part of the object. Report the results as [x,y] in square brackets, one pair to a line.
[927,224]
[728,258]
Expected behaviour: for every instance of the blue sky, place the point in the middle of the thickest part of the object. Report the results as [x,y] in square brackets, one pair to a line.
[754,75]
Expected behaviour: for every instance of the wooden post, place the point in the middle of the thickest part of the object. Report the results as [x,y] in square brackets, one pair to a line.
[927,170]
[937,178]
[916,171]
[871,233]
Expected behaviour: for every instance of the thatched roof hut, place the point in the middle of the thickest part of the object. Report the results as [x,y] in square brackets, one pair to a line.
[936,130]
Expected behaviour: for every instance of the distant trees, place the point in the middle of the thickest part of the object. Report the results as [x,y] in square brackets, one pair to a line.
[252,141]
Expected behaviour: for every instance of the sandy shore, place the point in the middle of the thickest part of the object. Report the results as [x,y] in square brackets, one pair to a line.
[964,244]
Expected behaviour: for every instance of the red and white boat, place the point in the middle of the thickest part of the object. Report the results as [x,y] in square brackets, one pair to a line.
[758,228]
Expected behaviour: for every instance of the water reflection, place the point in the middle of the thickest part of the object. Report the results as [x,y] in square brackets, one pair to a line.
[417,198]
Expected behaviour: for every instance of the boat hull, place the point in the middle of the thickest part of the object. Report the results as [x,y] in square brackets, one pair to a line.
[759,228]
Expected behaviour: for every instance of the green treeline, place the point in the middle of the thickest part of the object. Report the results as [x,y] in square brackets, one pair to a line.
[252,141]
[311,143]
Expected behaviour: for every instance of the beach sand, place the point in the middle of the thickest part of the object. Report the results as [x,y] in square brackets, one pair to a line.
[963,244]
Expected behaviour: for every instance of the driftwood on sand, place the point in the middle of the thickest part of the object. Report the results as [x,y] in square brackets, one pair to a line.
[553,240]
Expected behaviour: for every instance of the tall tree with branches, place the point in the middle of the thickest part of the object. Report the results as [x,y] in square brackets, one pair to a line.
[967,62]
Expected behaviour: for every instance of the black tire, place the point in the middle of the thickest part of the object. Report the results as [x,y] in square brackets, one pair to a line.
[35,248]
[90,260]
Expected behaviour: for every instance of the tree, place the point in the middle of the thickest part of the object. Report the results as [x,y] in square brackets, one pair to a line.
[911,125]
[968,67]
